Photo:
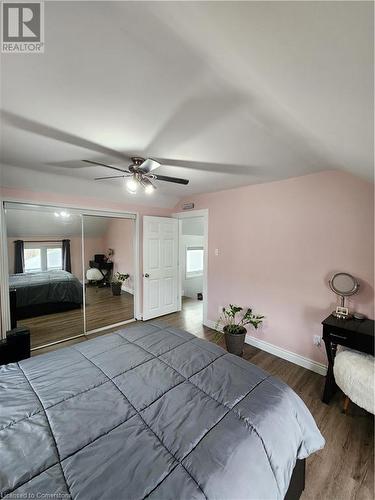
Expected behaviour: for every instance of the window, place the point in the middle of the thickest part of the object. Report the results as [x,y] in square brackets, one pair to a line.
[194,261]
[42,258]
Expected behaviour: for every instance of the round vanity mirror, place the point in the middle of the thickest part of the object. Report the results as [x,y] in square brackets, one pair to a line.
[344,284]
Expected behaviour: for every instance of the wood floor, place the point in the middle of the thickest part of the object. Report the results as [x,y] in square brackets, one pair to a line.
[344,469]
[102,309]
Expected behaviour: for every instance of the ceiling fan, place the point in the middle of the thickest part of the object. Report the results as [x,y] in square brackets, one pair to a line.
[139,174]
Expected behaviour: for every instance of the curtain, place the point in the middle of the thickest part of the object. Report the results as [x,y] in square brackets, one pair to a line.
[66,261]
[19,258]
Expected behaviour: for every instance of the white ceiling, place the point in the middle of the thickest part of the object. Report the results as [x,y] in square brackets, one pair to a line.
[243,92]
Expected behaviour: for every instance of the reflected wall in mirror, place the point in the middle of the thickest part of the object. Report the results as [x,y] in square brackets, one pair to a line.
[109,252]
[45,272]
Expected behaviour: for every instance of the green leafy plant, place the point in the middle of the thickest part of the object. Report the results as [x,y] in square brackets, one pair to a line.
[234,320]
[120,277]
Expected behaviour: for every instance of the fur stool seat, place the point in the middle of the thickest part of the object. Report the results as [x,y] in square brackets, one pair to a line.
[93,274]
[354,374]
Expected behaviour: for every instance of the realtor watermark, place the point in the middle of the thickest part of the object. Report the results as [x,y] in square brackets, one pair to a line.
[22,27]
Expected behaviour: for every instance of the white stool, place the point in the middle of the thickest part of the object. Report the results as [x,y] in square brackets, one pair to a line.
[354,374]
[93,274]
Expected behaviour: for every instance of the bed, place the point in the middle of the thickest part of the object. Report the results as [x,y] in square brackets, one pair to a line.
[44,293]
[149,411]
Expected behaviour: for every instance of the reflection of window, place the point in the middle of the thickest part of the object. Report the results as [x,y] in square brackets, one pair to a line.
[33,261]
[194,261]
[54,258]
[42,258]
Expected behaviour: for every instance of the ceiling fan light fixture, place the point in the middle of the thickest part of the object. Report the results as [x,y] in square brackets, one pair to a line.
[132,185]
[149,189]
[140,174]
[63,214]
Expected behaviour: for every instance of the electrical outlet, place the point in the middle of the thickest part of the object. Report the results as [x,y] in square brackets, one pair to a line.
[317,340]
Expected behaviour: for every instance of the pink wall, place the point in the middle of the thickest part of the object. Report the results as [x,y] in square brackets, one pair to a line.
[278,245]
[120,238]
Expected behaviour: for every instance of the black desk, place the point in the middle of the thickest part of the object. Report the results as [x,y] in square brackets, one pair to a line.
[352,333]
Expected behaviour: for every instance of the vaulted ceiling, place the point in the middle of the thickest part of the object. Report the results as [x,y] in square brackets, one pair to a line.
[223,93]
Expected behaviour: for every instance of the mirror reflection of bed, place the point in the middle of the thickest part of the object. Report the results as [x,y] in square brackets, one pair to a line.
[108,246]
[47,274]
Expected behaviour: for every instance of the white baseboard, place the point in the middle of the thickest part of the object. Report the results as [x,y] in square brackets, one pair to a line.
[297,359]
[127,289]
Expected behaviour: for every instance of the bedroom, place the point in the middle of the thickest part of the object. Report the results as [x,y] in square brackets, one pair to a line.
[257,119]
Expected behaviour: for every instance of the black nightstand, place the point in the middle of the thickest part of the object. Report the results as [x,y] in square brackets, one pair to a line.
[352,333]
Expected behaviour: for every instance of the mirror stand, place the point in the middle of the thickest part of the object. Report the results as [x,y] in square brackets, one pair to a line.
[343,285]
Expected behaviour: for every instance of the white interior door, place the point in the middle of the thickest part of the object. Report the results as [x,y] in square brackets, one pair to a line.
[160,266]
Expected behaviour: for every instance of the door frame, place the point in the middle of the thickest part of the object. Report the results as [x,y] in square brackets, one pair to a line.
[4,264]
[191,214]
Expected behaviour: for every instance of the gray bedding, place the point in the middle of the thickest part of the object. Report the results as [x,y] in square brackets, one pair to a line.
[46,288]
[148,411]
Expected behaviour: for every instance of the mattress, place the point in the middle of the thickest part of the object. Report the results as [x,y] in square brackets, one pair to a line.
[148,411]
[46,288]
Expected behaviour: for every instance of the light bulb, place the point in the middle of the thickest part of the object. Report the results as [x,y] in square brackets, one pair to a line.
[132,185]
[57,214]
[149,189]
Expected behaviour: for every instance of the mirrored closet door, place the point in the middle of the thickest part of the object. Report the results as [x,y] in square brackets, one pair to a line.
[45,272]
[109,270]
[70,273]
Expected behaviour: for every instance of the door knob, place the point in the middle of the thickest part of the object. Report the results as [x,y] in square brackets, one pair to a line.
[147,275]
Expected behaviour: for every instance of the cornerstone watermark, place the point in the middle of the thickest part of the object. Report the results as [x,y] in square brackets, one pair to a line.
[22,27]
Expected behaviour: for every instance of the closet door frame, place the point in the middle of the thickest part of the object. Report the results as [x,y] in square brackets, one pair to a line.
[4,265]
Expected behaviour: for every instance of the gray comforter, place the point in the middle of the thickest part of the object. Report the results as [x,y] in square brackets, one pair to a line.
[148,411]
[46,288]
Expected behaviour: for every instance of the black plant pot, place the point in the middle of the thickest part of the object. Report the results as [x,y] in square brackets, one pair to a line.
[235,341]
[116,288]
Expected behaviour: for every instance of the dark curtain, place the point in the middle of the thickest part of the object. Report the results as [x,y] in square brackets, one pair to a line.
[19,258]
[66,262]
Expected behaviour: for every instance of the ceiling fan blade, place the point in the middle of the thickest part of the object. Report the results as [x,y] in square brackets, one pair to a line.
[149,165]
[110,177]
[107,166]
[23,123]
[176,180]
[222,168]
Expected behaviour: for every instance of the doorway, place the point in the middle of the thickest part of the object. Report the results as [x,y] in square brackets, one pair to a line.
[193,262]
[175,259]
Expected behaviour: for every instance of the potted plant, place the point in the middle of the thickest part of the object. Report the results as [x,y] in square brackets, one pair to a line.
[117,282]
[234,320]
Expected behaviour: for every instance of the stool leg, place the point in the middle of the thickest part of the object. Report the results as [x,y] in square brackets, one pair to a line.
[346,404]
